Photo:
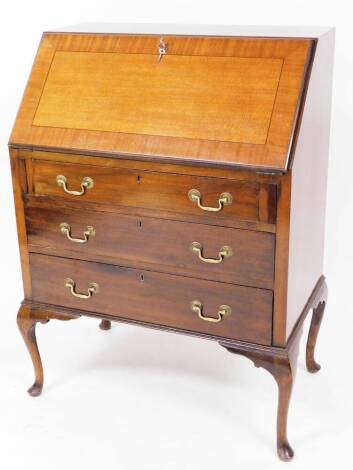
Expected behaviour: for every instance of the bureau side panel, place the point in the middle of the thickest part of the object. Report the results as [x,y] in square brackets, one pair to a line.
[308,188]
[19,183]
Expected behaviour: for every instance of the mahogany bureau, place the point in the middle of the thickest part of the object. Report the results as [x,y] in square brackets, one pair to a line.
[175,178]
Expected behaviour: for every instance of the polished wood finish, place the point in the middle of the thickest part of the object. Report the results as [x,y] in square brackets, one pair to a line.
[27,319]
[19,184]
[141,241]
[267,184]
[308,184]
[151,190]
[281,261]
[302,200]
[281,363]
[282,368]
[153,297]
[318,312]
[146,133]
[268,57]
[237,111]
[102,160]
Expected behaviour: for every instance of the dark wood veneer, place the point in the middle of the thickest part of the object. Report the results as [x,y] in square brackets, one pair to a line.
[279,362]
[274,109]
[146,242]
[154,297]
[152,190]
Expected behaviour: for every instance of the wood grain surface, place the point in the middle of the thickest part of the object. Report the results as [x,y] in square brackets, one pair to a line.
[154,297]
[161,245]
[180,124]
[154,190]
[195,97]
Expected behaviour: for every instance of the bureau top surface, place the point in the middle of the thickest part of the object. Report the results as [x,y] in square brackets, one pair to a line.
[198,29]
[206,98]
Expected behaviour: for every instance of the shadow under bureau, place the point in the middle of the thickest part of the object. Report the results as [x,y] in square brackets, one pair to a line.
[175,178]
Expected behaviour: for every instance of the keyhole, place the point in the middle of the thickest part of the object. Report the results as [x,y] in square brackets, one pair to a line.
[140,223]
[138,178]
[142,277]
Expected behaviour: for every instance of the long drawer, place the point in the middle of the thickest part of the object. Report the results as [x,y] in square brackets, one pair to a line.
[218,199]
[237,312]
[217,253]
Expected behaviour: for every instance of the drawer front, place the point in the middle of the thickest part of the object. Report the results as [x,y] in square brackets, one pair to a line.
[218,199]
[155,298]
[217,253]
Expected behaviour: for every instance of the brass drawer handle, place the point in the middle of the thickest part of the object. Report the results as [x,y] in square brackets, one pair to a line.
[223,312]
[93,288]
[225,199]
[224,252]
[87,183]
[89,231]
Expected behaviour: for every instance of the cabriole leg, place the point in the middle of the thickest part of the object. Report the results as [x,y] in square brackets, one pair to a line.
[281,366]
[27,326]
[283,374]
[27,320]
[316,319]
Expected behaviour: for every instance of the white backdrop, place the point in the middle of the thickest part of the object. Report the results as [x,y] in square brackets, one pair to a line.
[137,399]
